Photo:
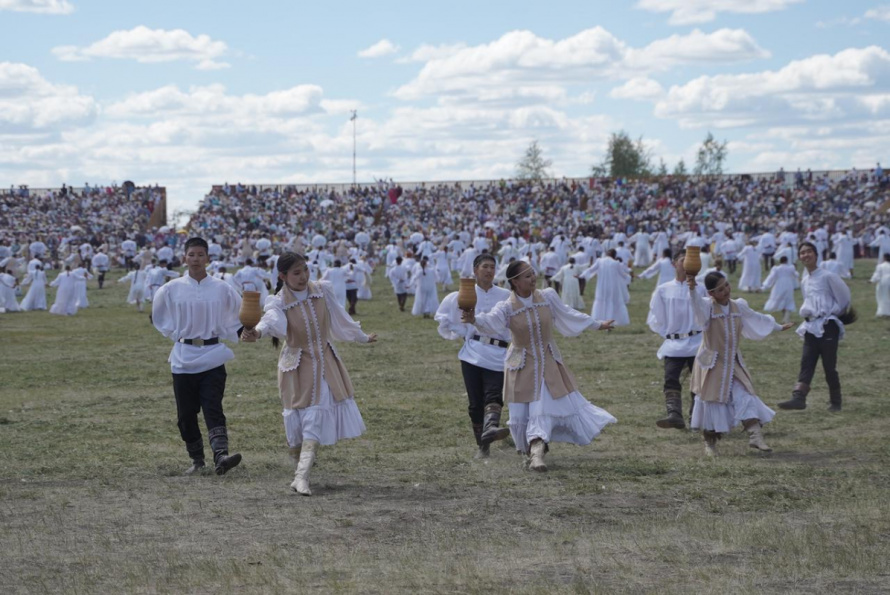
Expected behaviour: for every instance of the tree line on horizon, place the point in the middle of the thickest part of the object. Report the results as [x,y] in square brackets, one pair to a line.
[628,158]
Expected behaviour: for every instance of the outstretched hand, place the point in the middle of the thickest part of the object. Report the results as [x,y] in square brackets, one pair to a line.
[250,335]
[606,325]
[372,338]
[787,326]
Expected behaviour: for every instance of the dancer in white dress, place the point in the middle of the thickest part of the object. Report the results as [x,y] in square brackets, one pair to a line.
[66,294]
[724,392]
[544,402]
[881,279]
[783,280]
[316,392]
[36,297]
[426,299]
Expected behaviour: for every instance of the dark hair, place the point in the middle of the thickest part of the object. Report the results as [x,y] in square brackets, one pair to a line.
[611,252]
[666,252]
[482,258]
[286,262]
[680,253]
[810,244]
[514,268]
[712,279]
[783,260]
[887,256]
[337,263]
[571,260]
[196,241]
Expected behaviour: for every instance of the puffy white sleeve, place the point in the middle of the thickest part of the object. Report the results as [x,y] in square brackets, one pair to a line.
[701,309]
[230,323]
[494,322]
[163,315]
[840,292]
[770,279]
[657,315]
[274,321]
[448,316]
[343,327]
[568,321]
[756,325]
[651,271]
[593,270]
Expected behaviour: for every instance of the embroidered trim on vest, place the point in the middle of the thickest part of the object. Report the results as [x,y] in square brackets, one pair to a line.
[319,340]
[311,348]
[289,358]
[542,347]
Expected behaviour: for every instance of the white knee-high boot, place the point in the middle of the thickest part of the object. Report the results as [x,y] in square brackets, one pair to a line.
[301,476]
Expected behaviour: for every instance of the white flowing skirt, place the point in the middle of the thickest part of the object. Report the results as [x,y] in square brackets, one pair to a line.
[571,419]
[328,422]
[722,417]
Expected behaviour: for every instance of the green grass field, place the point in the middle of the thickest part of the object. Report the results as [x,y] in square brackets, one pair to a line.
[93,500]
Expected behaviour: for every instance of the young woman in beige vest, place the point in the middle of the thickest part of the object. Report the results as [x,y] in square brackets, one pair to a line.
[316,393]
[542,394]
[721,382]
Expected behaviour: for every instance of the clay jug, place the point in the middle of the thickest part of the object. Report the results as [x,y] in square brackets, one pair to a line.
[251,312]
[692,262]
[466,295]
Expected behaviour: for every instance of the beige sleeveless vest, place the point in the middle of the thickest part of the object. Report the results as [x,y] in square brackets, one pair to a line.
[308,356]
[533,357]
[719,360]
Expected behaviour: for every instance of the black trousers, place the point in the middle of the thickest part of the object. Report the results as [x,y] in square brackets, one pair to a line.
[826,348]
[673,368]
[484,387]
[195,393]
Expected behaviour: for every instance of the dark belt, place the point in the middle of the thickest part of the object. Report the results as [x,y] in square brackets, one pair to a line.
[682,335]
[200,342]
[490,341]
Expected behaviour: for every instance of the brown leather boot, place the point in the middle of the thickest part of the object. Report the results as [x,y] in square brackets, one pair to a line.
[674,403]
[798,398]
[491,429]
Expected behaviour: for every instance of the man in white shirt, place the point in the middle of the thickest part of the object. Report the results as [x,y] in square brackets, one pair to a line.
[671,317]
[825,310]
[99,263]
[398,276]
[481,358]
[196,311]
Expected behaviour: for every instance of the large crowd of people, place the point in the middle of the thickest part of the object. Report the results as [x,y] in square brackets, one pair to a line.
[319,249]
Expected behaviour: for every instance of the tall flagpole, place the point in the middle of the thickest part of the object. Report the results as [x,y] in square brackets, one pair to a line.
[353,118]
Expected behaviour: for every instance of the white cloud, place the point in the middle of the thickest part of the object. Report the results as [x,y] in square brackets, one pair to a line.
[384,47]
[847,85]
[640,88]
[426,52]
[39,6]
[690,12]
[150,46]
[881,13]
[522,59]
[28,102]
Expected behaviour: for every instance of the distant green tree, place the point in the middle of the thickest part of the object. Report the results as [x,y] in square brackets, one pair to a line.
[711,156]
[662,167]
[533,166]
[625,158]
[680,169]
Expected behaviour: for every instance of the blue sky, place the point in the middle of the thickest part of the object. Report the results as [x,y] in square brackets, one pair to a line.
[191,93]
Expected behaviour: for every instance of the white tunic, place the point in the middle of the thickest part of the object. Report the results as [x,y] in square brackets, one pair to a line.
[825,297]
[36,297]
[188,309]
[783,281]
[66,296]
[670,313]
[478,352]
[881,278]
[611,287]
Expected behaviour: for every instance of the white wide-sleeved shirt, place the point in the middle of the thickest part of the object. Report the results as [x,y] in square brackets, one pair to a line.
[670,313]
[341,324]
[825,297]
[478,352]
[568,321]
[187,309]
